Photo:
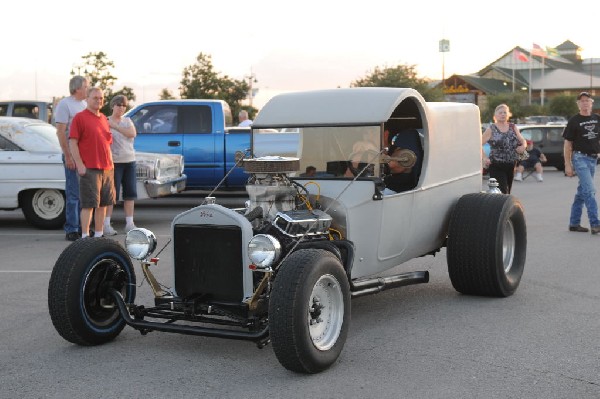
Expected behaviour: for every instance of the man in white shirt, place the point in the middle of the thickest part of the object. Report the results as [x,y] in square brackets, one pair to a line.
[243,117]
[64,113]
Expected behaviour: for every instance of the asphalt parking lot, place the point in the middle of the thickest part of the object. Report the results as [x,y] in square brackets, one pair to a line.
[422,341]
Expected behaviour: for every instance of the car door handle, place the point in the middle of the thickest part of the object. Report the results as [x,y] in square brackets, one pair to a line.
[174,143]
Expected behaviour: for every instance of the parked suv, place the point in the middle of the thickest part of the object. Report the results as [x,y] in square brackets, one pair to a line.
[27,109]
[548,138]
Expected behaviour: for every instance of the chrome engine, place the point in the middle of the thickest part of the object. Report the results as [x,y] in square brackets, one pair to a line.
[273,199]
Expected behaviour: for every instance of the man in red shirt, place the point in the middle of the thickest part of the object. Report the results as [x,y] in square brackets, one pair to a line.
[89,142]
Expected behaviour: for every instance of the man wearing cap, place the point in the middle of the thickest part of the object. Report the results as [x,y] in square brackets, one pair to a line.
[534,161]
[581,148]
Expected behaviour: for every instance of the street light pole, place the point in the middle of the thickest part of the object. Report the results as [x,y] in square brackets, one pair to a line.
[444,47]
[251,79]
[78,67]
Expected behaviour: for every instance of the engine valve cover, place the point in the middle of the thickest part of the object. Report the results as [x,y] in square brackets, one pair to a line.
[297,223]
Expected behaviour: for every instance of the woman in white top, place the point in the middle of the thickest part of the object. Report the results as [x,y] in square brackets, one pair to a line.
[123,132]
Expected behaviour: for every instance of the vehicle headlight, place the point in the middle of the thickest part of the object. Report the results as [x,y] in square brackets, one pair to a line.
[264,250]
[140,243]
[157,170]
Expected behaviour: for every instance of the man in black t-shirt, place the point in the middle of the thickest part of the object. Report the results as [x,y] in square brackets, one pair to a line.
[582,145]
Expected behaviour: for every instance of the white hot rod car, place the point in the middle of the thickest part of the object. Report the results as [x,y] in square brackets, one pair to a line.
[32,174]
[283,270]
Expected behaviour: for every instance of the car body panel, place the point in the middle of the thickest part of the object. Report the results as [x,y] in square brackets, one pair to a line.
[401,226]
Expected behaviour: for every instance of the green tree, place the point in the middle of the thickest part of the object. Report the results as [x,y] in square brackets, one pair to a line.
[400,76]
[563,105]
[514,102]
[165,94]
[200,80]
[99,71]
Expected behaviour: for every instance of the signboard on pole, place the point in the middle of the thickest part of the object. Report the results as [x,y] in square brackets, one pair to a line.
[444,46]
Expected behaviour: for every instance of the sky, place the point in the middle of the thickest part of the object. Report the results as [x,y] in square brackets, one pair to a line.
[286,46]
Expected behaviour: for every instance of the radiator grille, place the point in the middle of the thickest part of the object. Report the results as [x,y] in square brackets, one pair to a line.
[208,262]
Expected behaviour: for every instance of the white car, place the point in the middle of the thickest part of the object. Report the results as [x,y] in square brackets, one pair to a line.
[32,175]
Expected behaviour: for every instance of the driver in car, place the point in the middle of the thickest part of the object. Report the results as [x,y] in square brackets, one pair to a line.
[400,162]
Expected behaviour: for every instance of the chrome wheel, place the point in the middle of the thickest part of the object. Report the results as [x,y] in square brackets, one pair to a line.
[508,246]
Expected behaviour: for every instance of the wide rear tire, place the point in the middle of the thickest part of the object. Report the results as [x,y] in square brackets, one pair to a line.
[81,307]
[309,311]
[487,245]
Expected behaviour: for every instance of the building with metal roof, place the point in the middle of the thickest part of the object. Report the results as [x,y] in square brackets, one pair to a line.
[539,73]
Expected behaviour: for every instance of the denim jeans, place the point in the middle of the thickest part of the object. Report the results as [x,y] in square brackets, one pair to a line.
[125,177]
[72,193]
[585,167]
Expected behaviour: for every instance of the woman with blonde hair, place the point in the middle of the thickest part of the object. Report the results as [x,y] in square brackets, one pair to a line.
[506,143]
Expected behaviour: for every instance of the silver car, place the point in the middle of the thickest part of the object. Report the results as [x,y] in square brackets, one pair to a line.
[283,269]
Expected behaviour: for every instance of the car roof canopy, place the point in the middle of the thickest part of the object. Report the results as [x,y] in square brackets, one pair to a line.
[337,107]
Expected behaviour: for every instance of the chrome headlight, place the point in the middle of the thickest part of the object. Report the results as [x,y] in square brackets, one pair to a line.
[140,243]
[157,170]
[264,250]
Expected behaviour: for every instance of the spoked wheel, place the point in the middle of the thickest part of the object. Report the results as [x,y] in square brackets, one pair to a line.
[81,306]
[487,244]
[44,208]
[309,311]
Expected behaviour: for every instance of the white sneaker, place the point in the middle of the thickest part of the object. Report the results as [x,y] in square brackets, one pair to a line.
[109,231]
[539,177]
[129,227]
[518,177]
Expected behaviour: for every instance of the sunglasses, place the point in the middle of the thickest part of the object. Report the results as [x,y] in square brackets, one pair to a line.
[120,105]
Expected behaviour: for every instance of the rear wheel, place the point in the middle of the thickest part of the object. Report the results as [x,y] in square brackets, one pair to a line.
[79,300]
[487,244]
[309,311]
[44,208]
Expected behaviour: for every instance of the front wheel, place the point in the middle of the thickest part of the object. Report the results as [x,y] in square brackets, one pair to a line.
[81,307]
[309,311]
[44,208]
[487,244]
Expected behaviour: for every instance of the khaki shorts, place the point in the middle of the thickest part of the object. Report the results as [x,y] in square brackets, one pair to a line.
[97,188]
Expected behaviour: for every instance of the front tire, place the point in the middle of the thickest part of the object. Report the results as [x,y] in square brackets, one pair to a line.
[309,311]
[44,208]
[81,307]
[487,245]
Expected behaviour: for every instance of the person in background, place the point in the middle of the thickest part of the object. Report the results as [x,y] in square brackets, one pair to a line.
[65,111]
[581,149]
[123,133]
[244,119]
[89,141]
[506,142]
[534,161]
[311,171]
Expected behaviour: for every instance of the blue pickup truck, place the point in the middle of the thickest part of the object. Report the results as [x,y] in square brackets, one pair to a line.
[201,131]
